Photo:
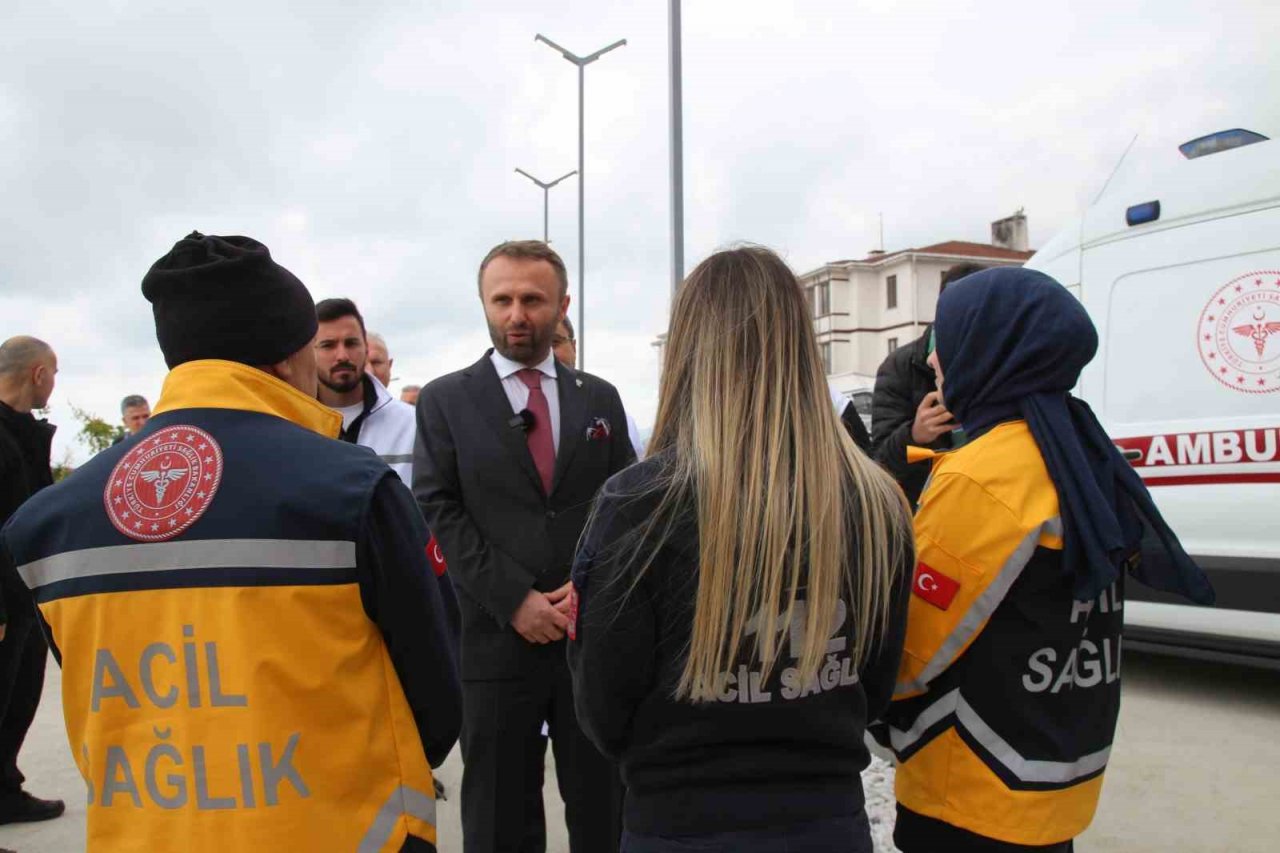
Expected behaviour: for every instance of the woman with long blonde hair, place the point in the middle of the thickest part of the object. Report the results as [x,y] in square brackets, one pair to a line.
[740,596]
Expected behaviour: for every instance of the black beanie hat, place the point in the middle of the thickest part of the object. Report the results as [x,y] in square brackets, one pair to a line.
[223,297]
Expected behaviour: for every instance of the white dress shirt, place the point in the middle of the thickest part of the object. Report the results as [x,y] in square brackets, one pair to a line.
[518,392]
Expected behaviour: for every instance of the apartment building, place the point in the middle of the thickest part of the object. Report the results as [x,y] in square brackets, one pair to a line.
[864,309]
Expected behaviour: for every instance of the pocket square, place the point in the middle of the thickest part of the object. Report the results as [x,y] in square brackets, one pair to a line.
[599,430]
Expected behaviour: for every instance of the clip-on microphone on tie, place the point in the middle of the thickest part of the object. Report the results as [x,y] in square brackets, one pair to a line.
[523,421]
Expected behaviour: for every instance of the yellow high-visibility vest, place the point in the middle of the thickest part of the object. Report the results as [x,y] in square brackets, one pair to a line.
[223,687]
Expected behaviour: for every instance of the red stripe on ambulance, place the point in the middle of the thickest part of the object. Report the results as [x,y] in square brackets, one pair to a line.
[1172,451]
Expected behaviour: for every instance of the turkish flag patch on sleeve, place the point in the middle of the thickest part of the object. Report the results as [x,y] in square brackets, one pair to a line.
[436,557]
[935,587]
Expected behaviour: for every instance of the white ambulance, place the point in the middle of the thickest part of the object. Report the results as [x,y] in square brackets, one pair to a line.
[1179,266]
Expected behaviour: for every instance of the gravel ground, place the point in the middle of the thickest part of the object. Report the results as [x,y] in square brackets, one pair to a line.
[877,787]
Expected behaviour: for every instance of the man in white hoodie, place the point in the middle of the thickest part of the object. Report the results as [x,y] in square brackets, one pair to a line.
[371,417]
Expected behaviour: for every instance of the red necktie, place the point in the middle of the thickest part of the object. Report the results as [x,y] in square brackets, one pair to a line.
[541,444]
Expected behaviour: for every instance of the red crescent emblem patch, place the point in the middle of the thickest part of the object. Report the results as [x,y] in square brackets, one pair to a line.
[164,483]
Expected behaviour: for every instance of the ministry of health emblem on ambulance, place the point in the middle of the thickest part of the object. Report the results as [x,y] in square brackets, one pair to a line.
[164,483]
[1239,333]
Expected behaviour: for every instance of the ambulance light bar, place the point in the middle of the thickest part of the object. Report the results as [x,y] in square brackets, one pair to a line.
[1223,140]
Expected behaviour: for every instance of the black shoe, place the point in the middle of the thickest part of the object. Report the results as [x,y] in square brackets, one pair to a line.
[24,808]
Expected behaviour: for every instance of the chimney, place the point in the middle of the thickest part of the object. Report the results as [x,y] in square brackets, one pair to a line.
[1011,232]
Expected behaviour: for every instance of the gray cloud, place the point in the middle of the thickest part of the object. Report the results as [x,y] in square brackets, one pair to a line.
[371,146]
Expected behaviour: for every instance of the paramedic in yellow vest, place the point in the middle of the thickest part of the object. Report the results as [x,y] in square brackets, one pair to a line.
[1006,702]
[255,652]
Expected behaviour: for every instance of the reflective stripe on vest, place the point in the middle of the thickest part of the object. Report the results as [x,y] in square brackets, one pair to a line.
[189,554]
[982,608]
[952,707]
[405,801]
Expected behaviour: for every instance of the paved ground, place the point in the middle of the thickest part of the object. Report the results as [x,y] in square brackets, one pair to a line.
[1196,764]
[1196,767]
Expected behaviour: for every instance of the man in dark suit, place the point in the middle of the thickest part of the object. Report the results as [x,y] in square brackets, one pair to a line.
[510,452]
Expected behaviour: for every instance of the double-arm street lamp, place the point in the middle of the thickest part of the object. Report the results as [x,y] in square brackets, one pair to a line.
[546,189]
[582,62]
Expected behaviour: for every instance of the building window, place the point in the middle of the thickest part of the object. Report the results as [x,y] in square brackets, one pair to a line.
[891,291]
[893,344]
[826,358]
[821,299]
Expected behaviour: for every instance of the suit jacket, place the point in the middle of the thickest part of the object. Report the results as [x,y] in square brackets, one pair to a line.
[475,480]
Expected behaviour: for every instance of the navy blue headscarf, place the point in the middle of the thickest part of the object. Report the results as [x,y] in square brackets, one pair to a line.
[1011,343]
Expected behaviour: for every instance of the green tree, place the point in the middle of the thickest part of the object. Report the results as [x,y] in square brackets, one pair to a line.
[63,469]
[95,433]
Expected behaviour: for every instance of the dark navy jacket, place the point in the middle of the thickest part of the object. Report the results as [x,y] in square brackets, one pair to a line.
[296,543]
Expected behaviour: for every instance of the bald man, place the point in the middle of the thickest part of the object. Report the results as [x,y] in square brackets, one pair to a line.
[28,367]
[380,359]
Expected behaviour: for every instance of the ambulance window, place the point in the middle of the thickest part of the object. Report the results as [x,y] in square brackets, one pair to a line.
[1223,140]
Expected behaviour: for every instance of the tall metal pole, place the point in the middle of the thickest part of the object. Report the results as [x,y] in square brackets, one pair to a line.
[582,62]
[582,228]
[677,152]
[546,194]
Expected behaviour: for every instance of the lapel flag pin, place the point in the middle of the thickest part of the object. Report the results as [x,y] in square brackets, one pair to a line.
[579,381]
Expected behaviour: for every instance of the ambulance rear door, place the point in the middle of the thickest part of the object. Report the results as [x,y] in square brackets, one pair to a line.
[1187,377]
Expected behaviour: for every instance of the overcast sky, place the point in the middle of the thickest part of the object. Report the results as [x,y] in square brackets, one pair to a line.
[372,145]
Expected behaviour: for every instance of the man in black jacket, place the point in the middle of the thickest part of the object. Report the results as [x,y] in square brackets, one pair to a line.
[906,408]
[27,369]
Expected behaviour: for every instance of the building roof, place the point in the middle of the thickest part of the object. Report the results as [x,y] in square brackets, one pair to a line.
[976,250]
[951,247]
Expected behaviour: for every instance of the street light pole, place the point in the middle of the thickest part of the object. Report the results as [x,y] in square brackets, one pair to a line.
[677,151]
[546,187]
[582,62]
